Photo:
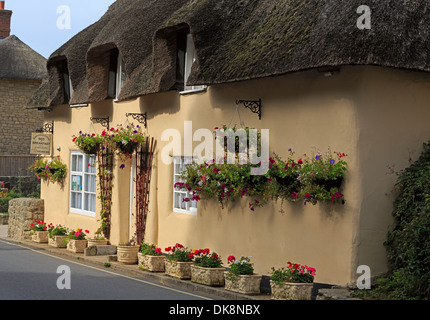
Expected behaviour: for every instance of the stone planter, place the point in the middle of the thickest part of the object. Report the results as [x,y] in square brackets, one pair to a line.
[95,242]
[208,276]
[40,236]
[76,246]
[57,242]
[180,270]
[151,263]
[127,254]
[291,291]
[245,284]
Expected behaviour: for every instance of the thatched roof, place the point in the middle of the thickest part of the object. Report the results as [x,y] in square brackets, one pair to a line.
[19,61]
[239,40]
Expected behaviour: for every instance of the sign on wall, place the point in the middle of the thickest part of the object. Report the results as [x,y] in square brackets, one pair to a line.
[41,143]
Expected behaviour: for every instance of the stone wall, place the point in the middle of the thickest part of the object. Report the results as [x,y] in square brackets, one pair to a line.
[22,212]
[17,122]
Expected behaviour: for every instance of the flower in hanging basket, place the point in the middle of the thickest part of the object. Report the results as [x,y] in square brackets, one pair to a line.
[53,170]
[126,140]
[88,143]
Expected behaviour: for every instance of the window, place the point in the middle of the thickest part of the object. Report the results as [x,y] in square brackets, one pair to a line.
[186,56]
[83,184]
[67,87]
[117,74]
[179,205]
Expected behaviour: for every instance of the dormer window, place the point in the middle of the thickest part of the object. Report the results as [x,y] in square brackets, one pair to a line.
[67,87]
[117,74]
[186,56]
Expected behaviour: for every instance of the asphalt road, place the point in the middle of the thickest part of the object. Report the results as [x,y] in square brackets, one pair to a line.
[33,274]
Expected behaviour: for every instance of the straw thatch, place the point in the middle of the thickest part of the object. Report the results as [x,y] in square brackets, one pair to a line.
[19,61]
[238,40]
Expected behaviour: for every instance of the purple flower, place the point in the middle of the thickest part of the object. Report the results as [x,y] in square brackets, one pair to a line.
[122,166]
[317,157]
[332,161]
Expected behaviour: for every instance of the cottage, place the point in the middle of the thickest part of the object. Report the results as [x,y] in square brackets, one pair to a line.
[21,73]
[320,82]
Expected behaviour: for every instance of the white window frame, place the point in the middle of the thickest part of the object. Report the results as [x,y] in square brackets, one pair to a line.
[67,83]
[190,58]
[120,76]
[83,188]
[186,207]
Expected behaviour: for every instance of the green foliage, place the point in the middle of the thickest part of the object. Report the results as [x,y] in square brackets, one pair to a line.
[206,259]
[150,249]
[88,143]
[294,272]
[243,266]
[313,179]
[57,230]
[408,244]
[179,253]
[53,170]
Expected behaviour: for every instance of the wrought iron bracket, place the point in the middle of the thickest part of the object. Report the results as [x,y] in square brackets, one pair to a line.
[103,121]
[140,117]
[47,128]
[253,105]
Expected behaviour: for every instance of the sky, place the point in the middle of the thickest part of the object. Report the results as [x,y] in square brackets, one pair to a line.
[45,25]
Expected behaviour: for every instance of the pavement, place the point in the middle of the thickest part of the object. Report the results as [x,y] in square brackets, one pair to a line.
[133,270]
[320,292]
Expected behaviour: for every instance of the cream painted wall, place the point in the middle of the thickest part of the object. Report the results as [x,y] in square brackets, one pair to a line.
[394,118]
[304,111]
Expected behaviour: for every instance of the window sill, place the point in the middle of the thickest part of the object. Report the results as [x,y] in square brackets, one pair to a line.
[78,105]
[191,213]
[185,92]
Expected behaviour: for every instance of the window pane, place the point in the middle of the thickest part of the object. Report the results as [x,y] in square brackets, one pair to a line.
[89,202]
[90,183]
[90,164]
[77,162]
[76,183]
[179,204]
[76,200]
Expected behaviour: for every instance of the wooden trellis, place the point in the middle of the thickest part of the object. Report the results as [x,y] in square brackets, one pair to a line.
[105,168]
[144,156]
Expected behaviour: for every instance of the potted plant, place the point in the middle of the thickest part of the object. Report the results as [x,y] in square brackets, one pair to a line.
[207,268]
[295,282]
[57,236]
[88,143]
[240,276]
[98,239]
[127,252]
[76,240]
[178,262]
[150,258]
[39,231]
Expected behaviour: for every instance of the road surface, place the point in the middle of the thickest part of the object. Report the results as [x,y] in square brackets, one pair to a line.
[34,274]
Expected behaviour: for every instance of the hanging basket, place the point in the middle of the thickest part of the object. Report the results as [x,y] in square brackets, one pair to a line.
[127,148]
